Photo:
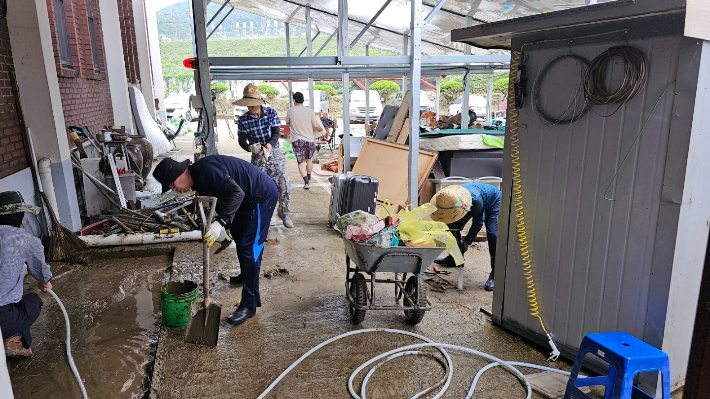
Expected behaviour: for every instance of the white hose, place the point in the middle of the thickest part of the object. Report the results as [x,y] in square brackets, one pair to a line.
[407,350]
[69,356]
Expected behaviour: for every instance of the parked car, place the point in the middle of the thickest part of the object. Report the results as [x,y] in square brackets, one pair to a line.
[240,110]
[180,106]
[425,104]
[477,104]
[358,106]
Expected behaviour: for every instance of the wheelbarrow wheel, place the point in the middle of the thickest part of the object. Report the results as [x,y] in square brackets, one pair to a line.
[397,290]
[414,316]
[358,290]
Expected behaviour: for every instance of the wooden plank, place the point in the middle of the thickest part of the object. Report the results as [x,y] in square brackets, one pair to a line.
[400,117]
[388,163]
[403,133]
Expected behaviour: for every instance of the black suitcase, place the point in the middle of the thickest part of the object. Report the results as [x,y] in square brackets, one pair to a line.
[360,194]
[336,197]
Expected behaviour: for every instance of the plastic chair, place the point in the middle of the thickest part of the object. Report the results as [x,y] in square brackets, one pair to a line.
[626,356]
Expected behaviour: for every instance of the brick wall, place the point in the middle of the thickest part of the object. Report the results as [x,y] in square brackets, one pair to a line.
[84,89]
[128,34]
[14,153]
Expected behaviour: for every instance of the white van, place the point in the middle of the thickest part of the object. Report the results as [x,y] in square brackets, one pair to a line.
[425,104]
[358,107]
[477,104]
[180,106]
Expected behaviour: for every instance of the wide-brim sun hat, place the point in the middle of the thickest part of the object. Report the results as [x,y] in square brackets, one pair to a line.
[251,97]
[12,202]
[452,203]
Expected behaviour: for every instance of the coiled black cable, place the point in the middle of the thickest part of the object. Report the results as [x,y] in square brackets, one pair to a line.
[564,118]
[634,80]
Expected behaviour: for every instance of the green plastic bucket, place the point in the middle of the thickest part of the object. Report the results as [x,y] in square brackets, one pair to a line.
[176,298]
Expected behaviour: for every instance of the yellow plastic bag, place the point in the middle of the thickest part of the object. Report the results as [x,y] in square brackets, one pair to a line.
[415,230]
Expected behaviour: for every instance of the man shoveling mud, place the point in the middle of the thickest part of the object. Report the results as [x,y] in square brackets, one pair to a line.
[246,199]
[17,248]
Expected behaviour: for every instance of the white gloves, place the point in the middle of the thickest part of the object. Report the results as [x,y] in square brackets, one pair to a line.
[260,150]
[255,148]
[217,232]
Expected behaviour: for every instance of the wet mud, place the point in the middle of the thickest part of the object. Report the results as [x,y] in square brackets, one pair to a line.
[114,310]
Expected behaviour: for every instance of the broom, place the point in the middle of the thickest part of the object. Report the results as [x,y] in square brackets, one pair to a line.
[64,244]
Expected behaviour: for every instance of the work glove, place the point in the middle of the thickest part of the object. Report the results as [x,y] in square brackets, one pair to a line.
[216,232]
[255,148]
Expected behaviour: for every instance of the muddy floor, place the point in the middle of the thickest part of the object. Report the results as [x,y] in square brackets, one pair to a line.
[114,309]
[307,305]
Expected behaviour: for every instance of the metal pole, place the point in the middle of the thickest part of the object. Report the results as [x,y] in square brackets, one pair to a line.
[438,95]
[489,99]
[466,84]
[309,48]
[343,49]
[372,20]
[416,72]
[203,75]
[367,90]
[434,11]
[288,54]
[217,13]
[405,48]
[335,32]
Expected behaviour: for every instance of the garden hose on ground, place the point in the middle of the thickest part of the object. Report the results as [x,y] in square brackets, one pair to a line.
[518,209]
[410,350]
[69,356]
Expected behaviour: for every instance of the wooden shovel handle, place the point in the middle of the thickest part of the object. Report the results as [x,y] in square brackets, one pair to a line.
[206,222]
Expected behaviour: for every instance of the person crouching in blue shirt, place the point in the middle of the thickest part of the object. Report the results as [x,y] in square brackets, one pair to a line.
[477,202]
[17,247]
[246,199]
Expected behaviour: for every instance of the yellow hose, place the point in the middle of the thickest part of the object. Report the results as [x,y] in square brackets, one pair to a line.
[516,58]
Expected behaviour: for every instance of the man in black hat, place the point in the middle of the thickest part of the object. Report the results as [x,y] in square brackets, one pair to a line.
[17,248]
[246,199]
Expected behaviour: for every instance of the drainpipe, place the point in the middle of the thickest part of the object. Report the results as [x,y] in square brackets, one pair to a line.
[44,166]
[139,239]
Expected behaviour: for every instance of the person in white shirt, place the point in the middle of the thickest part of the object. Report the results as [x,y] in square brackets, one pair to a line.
[303,121]
[17,248]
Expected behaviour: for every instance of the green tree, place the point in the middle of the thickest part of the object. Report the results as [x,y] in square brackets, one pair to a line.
[329,90]
[450,90]
[219,88]
[385,88]
[269,91]
[501,85]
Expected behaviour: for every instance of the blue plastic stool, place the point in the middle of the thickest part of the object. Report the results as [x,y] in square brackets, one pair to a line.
[627,356]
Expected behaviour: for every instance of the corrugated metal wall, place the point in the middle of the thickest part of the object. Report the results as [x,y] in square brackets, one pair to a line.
[594,259]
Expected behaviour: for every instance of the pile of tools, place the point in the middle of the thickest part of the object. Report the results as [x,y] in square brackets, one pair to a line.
[174,215]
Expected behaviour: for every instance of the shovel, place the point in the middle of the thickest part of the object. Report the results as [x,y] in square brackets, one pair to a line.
[203,325]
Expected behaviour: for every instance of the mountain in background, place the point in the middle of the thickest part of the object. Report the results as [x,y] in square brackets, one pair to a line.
[175,24]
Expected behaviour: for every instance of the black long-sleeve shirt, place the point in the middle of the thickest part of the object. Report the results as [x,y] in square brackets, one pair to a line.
[234,182]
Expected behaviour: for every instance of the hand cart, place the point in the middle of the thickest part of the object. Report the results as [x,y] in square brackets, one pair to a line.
[398,260]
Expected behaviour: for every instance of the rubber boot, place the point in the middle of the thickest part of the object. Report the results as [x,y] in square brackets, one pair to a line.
[287,221]
[489,282]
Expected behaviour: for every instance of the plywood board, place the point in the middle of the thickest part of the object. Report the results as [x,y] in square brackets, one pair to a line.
[388,163]
[403,133]
[402,113]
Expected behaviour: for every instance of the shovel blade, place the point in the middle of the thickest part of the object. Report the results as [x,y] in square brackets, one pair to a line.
[203,326]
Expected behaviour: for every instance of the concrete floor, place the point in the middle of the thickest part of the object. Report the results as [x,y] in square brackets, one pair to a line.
[308,306]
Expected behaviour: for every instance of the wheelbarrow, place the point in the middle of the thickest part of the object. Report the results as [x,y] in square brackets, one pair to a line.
[401,261]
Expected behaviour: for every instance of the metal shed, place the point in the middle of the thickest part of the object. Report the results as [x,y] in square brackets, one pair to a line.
[616,204]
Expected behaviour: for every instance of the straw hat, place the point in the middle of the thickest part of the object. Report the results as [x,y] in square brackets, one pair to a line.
[12,202]
[452,203]
[251,97]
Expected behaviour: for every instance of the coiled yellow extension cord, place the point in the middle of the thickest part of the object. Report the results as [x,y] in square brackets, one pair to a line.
[516,59]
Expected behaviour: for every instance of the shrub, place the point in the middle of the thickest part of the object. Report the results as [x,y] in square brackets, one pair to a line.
[269,91]
[219,88]
[501,85]
[330,91]
[385,88]
[450,90]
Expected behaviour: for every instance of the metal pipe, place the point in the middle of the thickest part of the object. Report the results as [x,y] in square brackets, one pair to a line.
[326,42]
[415,74]
[372,21]
[217,13]
[139,239]
[367,83]
[309,47]
[220,23]
[489,99]
[434,11]
[288,55]
[466,84]
[438,96]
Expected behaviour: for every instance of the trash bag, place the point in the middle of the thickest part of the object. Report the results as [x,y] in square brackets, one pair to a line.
[414,231]
[357,218]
